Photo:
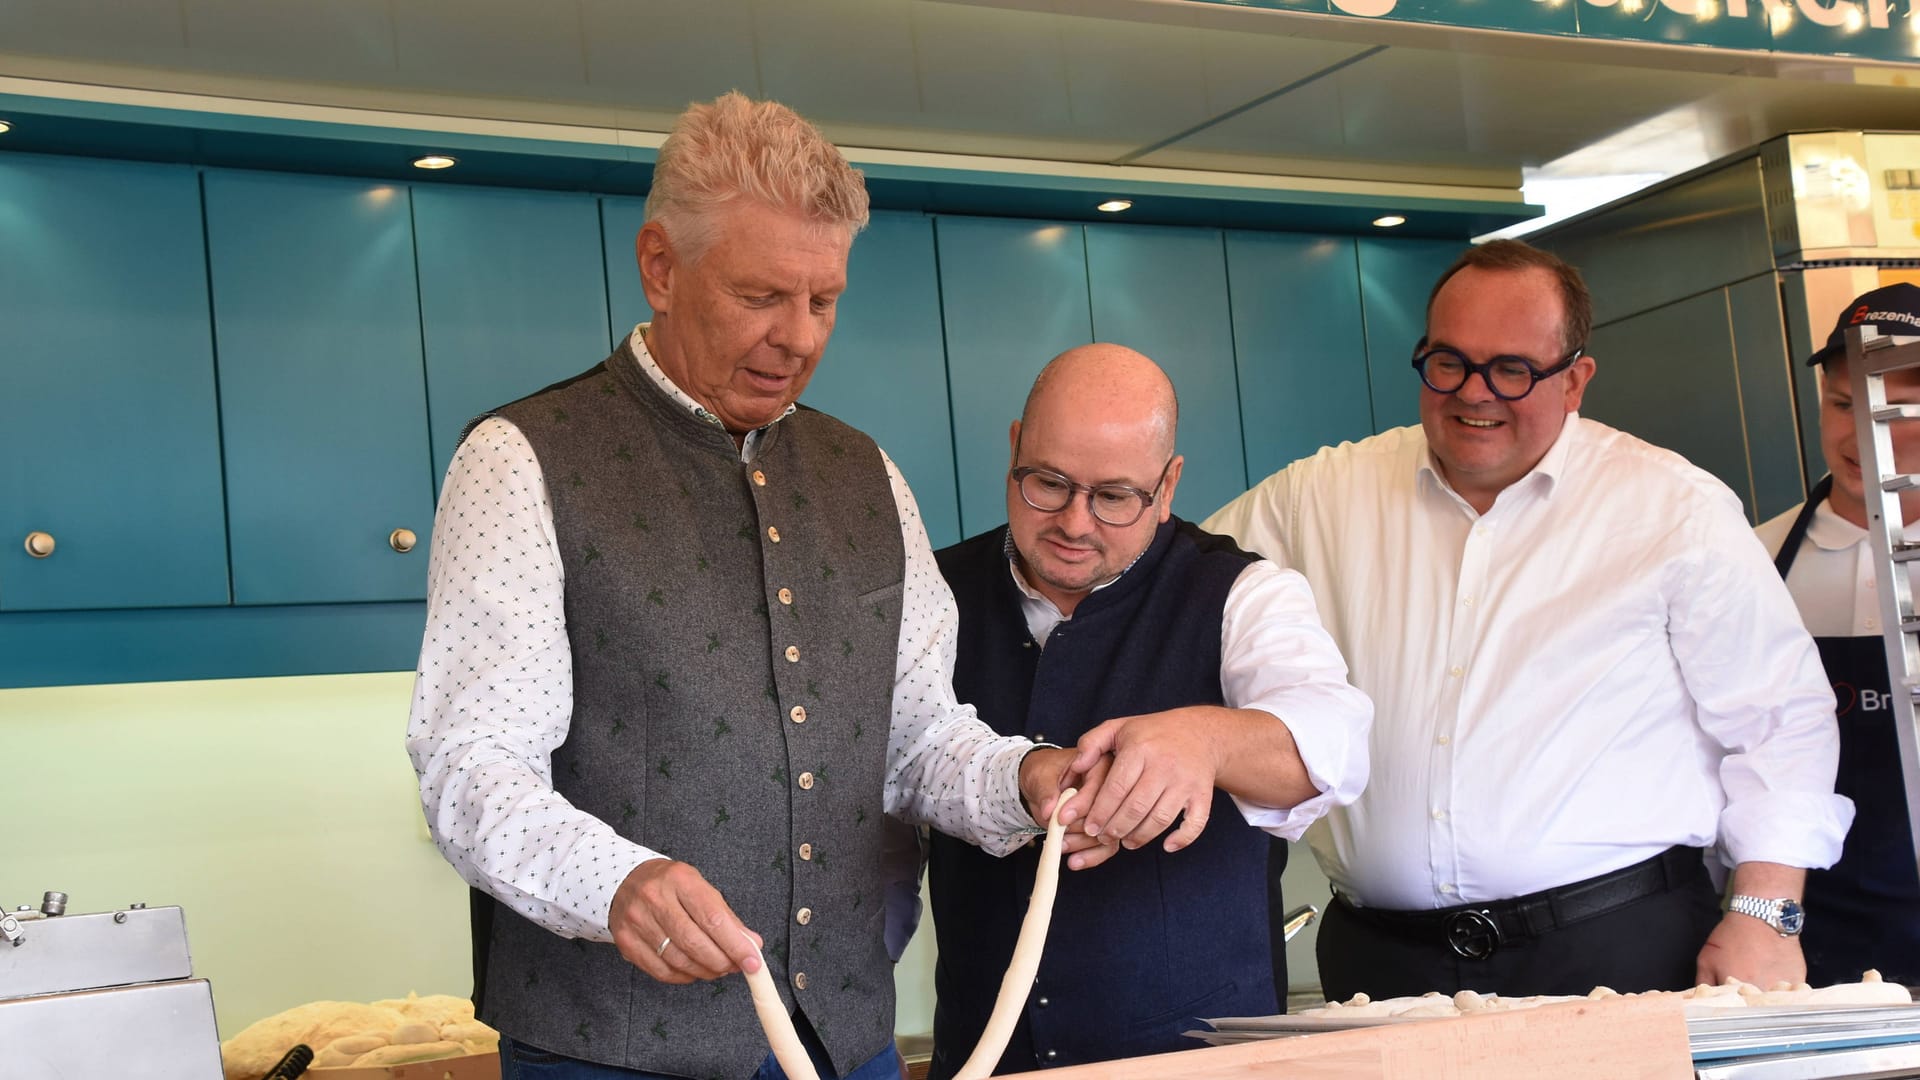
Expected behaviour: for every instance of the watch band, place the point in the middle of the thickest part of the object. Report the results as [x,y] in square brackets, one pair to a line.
[1784,914]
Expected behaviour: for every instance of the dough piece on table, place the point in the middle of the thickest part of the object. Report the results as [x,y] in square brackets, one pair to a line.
[410,1052]
[346,1049]
[435,1009]
[261,1045]
[414,1032]
[1864,992]
[477,1037]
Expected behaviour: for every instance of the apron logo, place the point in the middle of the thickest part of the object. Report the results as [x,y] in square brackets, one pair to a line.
[1869,700]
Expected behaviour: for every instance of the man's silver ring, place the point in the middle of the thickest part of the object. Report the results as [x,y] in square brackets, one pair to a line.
[662,950]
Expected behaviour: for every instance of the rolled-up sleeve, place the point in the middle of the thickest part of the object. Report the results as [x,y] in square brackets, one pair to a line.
[1763,698]
[1275,656]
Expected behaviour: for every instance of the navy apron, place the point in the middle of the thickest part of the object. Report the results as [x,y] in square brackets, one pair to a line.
[1864,912]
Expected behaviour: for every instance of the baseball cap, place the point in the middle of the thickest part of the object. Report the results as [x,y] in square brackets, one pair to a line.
[1894,310]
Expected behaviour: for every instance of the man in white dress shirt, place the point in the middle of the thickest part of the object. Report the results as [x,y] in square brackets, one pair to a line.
[1583,669]
[687,646]
[1866,909]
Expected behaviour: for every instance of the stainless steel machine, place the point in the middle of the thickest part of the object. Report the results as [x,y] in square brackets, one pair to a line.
[107,995]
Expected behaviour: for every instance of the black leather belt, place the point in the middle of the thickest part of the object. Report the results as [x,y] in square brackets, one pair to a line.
[1476,931]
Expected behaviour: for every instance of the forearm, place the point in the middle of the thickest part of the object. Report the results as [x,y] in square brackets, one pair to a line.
[1769,881]
[1259,762]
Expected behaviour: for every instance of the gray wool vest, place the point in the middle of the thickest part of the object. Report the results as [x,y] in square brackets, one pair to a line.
[733,627]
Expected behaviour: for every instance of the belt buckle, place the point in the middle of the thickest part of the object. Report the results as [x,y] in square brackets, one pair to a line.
[1472,935]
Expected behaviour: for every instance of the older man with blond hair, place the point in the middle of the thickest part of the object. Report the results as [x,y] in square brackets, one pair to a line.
[686,647]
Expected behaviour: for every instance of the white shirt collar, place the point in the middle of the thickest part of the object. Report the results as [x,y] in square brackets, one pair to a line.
[1544,476]
[637,341]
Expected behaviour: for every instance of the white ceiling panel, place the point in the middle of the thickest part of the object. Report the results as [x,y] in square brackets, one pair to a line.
[337,40]
[983,70]
[128,31]
[849,61]
[492,48]
[658,54]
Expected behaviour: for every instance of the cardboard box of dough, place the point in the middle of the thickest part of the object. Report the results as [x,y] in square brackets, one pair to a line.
[470,1067]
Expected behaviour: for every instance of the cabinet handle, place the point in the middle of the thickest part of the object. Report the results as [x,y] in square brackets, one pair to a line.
[39,544]
[400,540]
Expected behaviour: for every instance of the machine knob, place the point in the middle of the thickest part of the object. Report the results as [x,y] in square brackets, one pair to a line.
[53,903]
[39,544]
[401,540]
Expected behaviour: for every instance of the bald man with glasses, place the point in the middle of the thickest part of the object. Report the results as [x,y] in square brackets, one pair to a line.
[1203,694]
[1589,681]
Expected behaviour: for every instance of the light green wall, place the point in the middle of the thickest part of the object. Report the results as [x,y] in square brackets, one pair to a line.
[281,814]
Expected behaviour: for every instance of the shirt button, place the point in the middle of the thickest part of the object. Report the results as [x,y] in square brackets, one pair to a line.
[773,534]
[1873,624]
[806,781]
[793,654]
[799,980]
[1446,887]
[799,714]
[759,478]
[806,852]
[1444,740]
[1467,600]
[786,596]
[1456,671]
[803,916]
[1439,815]
[1039,738]
[1041,1003]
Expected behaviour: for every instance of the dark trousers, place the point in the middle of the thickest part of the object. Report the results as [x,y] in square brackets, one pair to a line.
[1648,944]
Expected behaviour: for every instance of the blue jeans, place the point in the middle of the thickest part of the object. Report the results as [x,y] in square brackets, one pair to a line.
[518,1061]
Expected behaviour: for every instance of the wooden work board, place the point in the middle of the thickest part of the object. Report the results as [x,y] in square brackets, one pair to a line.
[1613,1039]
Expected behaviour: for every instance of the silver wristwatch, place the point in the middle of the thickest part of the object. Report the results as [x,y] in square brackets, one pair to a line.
[1783,914]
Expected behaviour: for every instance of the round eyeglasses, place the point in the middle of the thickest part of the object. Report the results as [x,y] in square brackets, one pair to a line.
[1511,378]
[1118,505]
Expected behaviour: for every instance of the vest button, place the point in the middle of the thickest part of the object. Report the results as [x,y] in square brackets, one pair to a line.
[793,654]
[806,781]
[786,596]
[1042,1002]
[1053,1055]
[806,852]
[799,714]
[759,478]
[799,980]
[803,916]
[773,534]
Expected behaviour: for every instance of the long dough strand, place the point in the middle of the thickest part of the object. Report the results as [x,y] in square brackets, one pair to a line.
[1025,964]
[784,1041]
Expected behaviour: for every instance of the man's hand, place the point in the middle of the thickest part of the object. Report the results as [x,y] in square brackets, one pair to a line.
[1046,772]
[1164,765]
[1749,950]
[664,900]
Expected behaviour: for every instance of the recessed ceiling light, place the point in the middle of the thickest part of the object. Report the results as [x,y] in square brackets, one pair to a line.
[434,161]
[5,127]
[1389,221]
[1114,206]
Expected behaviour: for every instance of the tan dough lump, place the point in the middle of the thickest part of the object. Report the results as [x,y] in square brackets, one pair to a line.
[1732,994]
[347,1033]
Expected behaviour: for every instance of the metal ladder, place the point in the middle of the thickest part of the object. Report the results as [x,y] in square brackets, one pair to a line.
[1870,358]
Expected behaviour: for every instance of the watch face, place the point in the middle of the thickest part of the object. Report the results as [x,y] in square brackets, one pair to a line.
[1792,917]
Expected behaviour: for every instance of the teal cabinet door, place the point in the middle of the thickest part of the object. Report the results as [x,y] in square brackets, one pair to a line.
[108,424]
[885,369]
[1163,292]
[1395,278]
[1298,345]
[513,298]
[1014,296]
[620,219]
[322,393]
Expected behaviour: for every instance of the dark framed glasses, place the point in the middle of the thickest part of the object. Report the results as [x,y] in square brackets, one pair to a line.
[1118,505]
[1510,378]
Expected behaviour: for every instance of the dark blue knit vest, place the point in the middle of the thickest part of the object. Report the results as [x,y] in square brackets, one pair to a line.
[1145,943]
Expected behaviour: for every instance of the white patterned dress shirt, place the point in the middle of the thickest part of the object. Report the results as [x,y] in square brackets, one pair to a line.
[493,697]
[1277,658]
[1602,666]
